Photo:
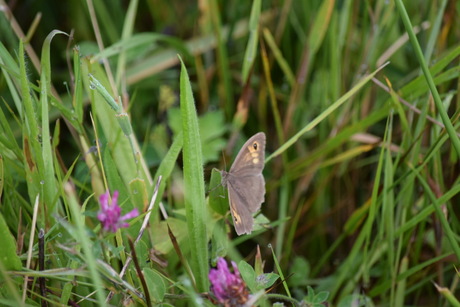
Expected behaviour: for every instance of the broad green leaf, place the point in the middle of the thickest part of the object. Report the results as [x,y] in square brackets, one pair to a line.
[155,284]
[248,274]
[195,204]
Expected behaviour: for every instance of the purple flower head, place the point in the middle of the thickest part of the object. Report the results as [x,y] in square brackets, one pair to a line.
[110,214]
[228,288]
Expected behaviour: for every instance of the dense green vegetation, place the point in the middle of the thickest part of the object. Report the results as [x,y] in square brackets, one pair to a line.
[358,100]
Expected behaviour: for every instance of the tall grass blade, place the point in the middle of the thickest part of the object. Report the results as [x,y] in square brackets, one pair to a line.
[195,204]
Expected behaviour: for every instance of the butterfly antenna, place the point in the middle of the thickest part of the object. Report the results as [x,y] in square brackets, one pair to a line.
[278,283]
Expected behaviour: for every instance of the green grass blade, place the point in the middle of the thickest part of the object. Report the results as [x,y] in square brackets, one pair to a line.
[77,98]
[320,26]
[195,204]
[323,115]
[8,257]
[279,57]
[78,219]
[280,272]
[435,28]
[401,288]
[429,79]
[122,147]
[450,297]
[30,133]
[363,239]
[10,71]
[48,180]
[451,236]
[380,289]
[128,27]
[388,206]
[251,48]
[30,119]
[222,58]
[167,165]
[422,215]
[46,57]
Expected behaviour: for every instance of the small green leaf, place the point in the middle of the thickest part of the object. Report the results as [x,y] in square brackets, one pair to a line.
[248,274]
[266,280]
[356,300]
[311,294]
[300,270]
[155,284]
[321,297]
[217,194]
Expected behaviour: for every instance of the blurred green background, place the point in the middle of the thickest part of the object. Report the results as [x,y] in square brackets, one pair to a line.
[353,188]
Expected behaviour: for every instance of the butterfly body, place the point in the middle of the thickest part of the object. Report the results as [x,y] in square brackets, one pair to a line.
[246,184]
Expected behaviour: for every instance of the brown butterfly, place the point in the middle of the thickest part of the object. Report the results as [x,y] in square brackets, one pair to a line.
[246,184]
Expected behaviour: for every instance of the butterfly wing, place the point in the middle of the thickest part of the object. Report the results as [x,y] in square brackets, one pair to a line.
[242,218]
[246,184]
[246,195]
[251,158]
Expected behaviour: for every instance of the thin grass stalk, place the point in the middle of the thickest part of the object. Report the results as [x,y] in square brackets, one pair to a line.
[429,79]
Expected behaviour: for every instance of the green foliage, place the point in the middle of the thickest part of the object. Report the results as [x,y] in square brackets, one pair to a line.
[212,127]
[315,299]
[253,281]
[155,284]
[299,271]
[359,101]
[9,259]
[194,201]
